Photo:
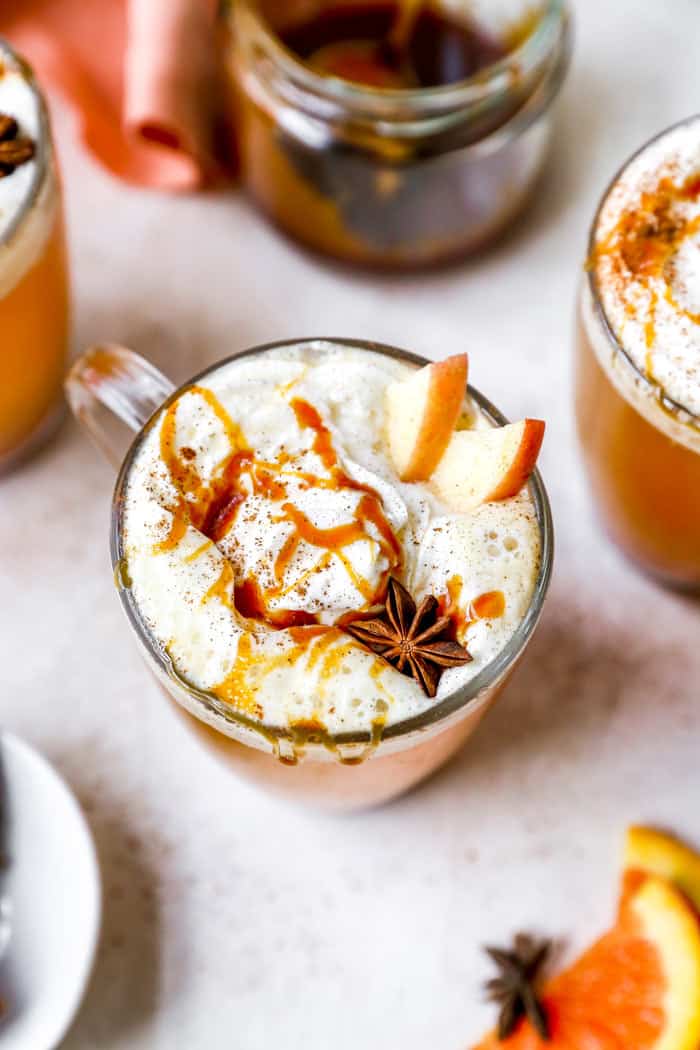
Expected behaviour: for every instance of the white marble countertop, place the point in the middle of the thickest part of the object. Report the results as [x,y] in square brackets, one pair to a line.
[234,921]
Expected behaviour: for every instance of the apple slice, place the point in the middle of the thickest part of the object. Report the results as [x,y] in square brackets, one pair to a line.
[481,466]
[422,412]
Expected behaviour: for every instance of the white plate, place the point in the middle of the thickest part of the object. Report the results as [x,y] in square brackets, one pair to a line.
[50,901]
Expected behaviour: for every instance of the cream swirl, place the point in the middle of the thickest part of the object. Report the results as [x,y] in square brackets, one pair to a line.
[306,532]
[646,258]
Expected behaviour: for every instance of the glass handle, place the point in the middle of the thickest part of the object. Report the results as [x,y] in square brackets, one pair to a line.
[112,392]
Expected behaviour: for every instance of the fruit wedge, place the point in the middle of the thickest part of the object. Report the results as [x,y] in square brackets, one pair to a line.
[652,852]
[422,413]
[637,988]
[481,466]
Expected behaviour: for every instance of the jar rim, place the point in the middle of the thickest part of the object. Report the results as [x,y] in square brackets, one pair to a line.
[518,65]
[471,695]
[20,64]
[655,388]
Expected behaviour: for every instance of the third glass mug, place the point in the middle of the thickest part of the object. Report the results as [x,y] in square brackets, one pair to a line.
[110,384]
[641,448]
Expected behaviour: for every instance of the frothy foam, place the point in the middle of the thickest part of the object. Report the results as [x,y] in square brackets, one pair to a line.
[247,594]
[646,259]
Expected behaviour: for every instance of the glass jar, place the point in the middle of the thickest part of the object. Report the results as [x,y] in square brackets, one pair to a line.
[333,771]
[641,448]
[34,298]
[392,177]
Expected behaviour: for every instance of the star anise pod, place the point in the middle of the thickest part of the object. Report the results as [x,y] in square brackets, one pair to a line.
[411,638]
[15,149]
[514,989]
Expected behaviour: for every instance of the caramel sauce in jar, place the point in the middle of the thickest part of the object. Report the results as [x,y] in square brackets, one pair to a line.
[354,42]
[344,144]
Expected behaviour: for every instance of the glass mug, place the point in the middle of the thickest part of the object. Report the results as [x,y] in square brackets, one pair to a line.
[110,390]
[393,178]
[34,299]
[641,451]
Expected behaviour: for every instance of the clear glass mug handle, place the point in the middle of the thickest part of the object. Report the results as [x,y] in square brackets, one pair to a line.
[112,392]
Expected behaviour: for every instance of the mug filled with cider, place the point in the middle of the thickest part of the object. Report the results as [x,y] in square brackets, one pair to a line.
[638,348]
[332,553]
[33,268]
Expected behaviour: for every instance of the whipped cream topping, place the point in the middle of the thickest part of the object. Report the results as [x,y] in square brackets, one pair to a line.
[262,509]
[21,246]
[646,259]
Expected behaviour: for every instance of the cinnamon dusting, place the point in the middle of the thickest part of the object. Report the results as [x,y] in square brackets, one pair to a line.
[641,247]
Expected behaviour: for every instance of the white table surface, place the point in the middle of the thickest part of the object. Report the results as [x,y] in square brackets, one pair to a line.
[234,921]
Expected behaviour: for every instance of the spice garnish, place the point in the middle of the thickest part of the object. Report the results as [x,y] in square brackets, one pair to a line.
[410,638]
[514,989]
[15,149]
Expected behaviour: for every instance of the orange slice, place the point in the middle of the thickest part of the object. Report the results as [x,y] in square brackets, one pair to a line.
[652,852]
[637,988]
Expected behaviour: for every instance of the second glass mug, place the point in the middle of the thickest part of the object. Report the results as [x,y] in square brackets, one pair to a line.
[111,388]
[34,296]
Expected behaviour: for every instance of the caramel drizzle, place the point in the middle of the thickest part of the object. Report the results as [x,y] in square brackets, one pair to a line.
[378,668]
[235,688]
[334,659]
[327,646]
[202,549]
[642,244]
[222,588]
[369,509]
[691,316]
[308,418]
[332,541]
[490,605]
[178,528]
[211,508]
[332,635]
[208,507]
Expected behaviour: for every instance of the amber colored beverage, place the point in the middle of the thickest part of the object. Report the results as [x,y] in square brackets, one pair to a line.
[646,485]
[34,299]
[34,322]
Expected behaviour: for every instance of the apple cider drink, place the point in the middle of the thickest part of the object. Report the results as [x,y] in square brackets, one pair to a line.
[321,561]
[33,270]
[638,368]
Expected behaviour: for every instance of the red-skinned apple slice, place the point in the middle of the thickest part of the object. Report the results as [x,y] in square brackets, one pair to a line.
[422,412]
[482,466]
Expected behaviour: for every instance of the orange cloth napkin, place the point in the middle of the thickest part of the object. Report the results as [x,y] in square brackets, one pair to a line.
[139,74]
